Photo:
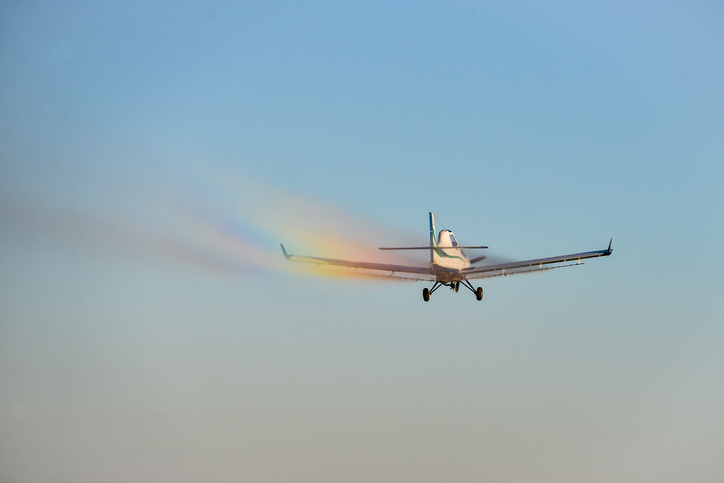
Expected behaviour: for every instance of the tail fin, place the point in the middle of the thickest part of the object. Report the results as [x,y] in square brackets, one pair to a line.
[432,237]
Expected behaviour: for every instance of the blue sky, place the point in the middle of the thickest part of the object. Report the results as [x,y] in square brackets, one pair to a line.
[152,158]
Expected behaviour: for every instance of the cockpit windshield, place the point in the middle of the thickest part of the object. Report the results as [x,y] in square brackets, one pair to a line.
[453,240]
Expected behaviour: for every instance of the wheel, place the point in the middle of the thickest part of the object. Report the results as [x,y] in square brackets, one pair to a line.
[425,294]
[479,293]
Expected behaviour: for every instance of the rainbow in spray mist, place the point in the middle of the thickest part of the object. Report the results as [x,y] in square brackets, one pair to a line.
[244,222]
[208,220]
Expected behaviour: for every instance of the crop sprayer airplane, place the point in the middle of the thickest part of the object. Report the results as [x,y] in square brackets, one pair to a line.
[450,267]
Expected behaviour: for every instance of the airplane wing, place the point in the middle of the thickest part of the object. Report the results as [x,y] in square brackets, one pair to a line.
[535,265]
[367,269]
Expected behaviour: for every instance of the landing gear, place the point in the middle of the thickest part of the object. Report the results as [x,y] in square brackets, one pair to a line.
[426,293]
[454,286]
[478,292]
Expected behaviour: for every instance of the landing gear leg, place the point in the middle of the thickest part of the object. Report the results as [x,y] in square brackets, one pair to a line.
[426,293]
[478,292]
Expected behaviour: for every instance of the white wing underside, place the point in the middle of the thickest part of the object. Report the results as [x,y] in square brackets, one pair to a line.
[334,266]
[531,266]
[366,273]
[410,273]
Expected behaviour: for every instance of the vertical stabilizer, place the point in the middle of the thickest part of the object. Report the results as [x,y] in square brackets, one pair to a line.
[432,237]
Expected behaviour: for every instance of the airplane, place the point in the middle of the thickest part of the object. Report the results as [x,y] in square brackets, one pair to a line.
[450,266]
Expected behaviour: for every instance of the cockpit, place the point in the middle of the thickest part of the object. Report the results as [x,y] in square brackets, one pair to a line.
[447,239]
[453,240]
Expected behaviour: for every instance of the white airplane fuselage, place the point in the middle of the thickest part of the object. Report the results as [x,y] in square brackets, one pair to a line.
[447,260]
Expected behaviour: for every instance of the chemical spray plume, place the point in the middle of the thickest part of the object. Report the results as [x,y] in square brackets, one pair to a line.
[213,221]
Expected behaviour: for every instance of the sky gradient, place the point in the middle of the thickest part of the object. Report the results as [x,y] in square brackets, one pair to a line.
[153,158]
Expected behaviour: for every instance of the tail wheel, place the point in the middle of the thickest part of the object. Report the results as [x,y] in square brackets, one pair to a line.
[479,293]
[426,294]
